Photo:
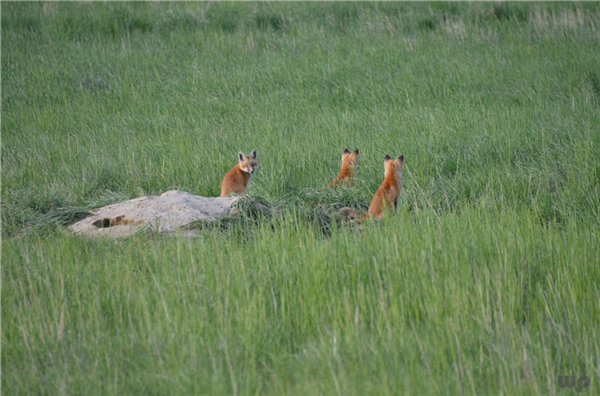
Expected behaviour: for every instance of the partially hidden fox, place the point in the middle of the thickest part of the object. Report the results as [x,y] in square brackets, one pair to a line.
[386,197]
[236,180]
[349,168]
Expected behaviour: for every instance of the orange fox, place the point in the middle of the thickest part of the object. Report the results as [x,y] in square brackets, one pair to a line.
[236,180]
[349,167]
[388,192]
[386,197]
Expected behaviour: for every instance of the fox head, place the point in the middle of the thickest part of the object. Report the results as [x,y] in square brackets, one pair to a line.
[350,159]
[393,166]
[248,164]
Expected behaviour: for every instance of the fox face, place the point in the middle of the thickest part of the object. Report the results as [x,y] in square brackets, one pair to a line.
[248,164]
[393,167]
[350,159]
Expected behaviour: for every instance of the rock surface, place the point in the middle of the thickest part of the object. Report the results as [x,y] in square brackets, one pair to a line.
[165,213]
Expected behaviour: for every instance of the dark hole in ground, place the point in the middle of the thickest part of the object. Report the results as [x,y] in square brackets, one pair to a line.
[115,221]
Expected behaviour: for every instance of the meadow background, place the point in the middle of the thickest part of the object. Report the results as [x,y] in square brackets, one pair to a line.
[485,281]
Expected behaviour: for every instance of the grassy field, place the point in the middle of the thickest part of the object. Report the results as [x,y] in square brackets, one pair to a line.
[485,280]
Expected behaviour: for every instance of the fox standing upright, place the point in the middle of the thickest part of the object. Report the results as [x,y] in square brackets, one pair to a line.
[386,197]
[236,180]
[349,167]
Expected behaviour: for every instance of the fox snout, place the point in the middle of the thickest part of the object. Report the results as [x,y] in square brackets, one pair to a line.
[250,169]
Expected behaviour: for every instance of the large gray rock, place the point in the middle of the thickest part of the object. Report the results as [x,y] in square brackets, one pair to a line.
[166,213]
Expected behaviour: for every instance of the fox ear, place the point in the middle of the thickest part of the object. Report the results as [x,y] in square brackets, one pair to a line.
[346,151]
[401,158]
[241,156]
[356,151]
[387,158]
[254,154]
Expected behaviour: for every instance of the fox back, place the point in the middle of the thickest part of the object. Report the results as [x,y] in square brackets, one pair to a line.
[386,197]
[236,180]
[348,169]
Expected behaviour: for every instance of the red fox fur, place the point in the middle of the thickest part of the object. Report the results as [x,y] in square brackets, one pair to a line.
[236,180]
[386,197]
[388,192]
[349,167]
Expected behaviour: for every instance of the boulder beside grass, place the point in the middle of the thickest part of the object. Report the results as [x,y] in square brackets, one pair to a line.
[168,212]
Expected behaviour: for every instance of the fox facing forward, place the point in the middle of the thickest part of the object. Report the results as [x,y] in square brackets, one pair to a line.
[236,180]
[386,197]
[349,168]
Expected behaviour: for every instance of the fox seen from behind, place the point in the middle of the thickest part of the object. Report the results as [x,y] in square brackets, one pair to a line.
[348,169]
[236,180]
[386,196]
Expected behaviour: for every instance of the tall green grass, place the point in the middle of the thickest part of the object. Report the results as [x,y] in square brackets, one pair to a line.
[471,303]
[483,282]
